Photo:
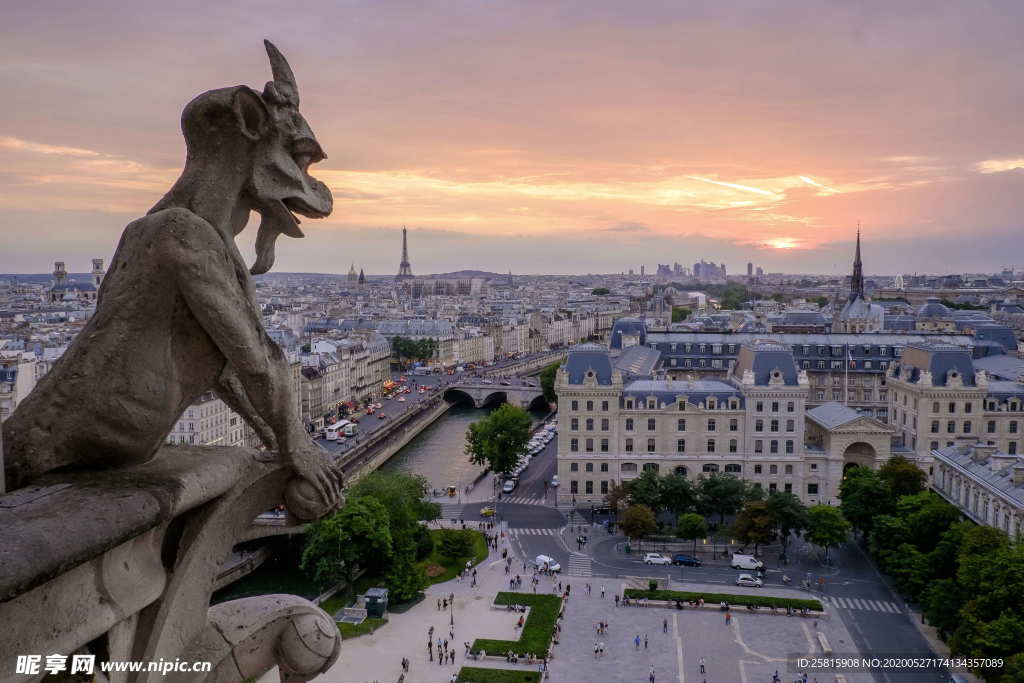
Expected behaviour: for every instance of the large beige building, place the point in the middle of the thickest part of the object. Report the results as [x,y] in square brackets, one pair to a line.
[615,423]
[208,422]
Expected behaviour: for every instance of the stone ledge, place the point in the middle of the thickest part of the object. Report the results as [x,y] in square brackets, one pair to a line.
[45,536]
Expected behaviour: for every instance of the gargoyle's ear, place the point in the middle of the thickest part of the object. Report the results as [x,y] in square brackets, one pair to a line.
[252,114]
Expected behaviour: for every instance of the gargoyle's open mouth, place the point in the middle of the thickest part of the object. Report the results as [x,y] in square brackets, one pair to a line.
[298,205]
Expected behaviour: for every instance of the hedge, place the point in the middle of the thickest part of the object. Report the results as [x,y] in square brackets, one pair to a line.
[472,674]
[535,637]
[759,600]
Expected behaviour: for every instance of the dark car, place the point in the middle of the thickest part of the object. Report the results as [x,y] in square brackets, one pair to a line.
[685,560]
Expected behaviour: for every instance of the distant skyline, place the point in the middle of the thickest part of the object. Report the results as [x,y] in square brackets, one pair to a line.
[544,136]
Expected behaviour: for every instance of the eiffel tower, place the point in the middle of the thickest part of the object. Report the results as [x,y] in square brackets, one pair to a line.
[404,269]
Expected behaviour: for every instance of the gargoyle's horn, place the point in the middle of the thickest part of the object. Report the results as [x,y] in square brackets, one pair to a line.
[284,79]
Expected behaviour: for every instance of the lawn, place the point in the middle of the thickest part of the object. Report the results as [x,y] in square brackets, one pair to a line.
[759,600]
[535,637]
[471,674]
[370,625]
[439,568]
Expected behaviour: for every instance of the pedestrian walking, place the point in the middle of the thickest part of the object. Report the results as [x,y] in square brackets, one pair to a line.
[636,642]
[600,649]
[664,625]
[700,663]
[595,648]
[645,641]
[439,604]
[728,618]
[616,599]
[651,677]
[602,592]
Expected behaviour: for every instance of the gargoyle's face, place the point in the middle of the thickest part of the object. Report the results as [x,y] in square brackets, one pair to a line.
[281,186]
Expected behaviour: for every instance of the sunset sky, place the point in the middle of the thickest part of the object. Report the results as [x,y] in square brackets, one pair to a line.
[544,136]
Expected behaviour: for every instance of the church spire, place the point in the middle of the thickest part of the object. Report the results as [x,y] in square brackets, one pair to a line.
[857,280]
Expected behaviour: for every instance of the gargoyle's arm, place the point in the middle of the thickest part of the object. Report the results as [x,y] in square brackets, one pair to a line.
[230,390]
[205,274]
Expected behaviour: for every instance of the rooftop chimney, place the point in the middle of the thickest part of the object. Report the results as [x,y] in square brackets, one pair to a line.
[1018,475]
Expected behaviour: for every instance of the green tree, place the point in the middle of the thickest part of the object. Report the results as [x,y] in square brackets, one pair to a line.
[826,527]
[863,496]
[677,494]
[755,524]
[680,313]
[789,513]
[456,543]
[943,559]
[692,525]
[903,477]
[974,560]
[646,490]
[888,533]
[357,536]
[547,382]
[497,440]
[600,291]
[942,602]
[638,522]
[617,497]
[721,494]
[908,567]
[928,525]
[404,579]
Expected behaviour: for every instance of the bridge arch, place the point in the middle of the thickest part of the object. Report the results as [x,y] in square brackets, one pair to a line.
[458,396]
[538,403]
[494,398]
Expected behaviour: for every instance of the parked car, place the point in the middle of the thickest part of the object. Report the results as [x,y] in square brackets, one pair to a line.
[545,562]
[554,482]
[685,560]
[656,558]
[749,581]
[509,486]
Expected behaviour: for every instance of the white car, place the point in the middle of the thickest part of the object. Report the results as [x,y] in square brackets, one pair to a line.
[749,581]
[509,486]
[545,562]
[656,558]
[745,562]
[554,482]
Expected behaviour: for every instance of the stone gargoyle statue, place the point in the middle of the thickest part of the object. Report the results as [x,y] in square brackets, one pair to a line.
[176,314]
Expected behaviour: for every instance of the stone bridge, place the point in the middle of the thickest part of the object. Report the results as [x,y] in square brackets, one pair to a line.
[482,394]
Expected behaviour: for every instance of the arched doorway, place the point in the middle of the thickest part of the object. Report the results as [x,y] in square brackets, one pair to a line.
[859,454]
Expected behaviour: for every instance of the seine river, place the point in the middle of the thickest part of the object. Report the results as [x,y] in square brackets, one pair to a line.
[438,452]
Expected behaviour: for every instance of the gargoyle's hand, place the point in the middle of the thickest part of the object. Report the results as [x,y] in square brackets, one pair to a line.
[314,466]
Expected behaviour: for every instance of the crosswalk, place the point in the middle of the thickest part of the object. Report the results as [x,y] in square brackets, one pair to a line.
[522,500]
[865,604]
[579,565]
[451,511]
[533,532]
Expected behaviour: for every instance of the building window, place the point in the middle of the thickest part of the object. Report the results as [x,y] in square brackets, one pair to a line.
[935,405]
[758,425]
[734,468]
[574,467]
[789,446]
[604,467]
[629,404]
[760,406]
[680,425]
[650,467]
[732,445]
[991,427]
[589,467]
[812,489]
[574,445]
[790,425]
[1013,426]
[651,445]
[773,446]
[711,445]
[934,445]
[590,487]
[935,426]
[758,446]
[628,467]
[711,425]
[757,469]
[604,406]
[604,486]
[1012,448]
[629,445]
[682,404]
[952,407]
[681,470]
[575,405]
[681,446]
[814,467]
[734,425]
[951,427]
[967,407]
[789,469]
[604,445]
[774,425]
[629,424]
[590,446]
[788,488]
[574,487]
[652,424]
[772,487]
[590,424]
[574,424]
[967,427]
[604,424]
[775,406]
[710,467]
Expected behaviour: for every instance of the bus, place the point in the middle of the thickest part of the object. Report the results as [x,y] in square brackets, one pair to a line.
[339,429]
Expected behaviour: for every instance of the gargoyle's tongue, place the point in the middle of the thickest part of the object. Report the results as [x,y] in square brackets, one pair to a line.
[274,220]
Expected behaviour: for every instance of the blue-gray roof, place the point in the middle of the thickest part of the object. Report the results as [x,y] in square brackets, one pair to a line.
[585,358]
[940,360]
[637,361]
[667,391]
[932,308]
[763,357]
[1001,367]
[627,326]
[832,414]
[1001,481]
